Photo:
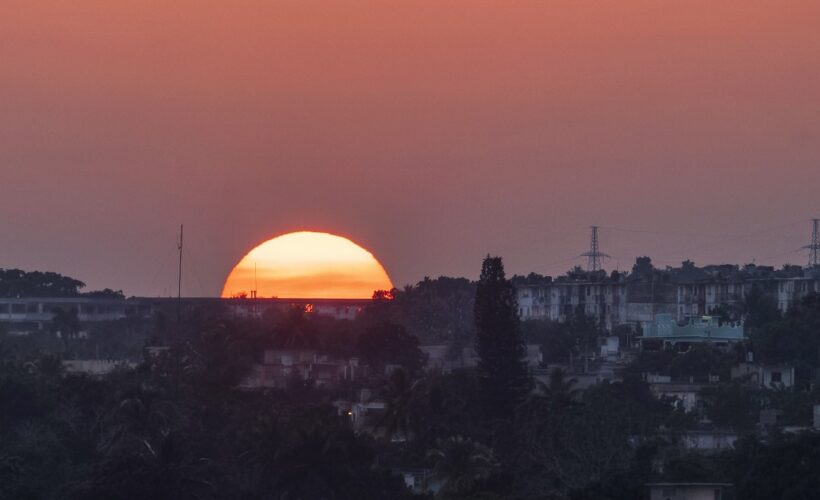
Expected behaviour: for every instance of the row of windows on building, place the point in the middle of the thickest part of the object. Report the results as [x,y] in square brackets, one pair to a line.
[83,309]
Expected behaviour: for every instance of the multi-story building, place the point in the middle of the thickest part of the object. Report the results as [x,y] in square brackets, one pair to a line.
[637,297]
[593,294]
[24,315]
[281,367]
[31,314]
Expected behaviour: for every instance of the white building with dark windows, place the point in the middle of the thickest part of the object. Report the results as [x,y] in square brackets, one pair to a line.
[26,315]
[32,314]
[637,297]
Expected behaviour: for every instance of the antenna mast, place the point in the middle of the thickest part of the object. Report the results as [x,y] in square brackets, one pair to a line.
[179,276]
[255,283]
[594,255]
[814,246]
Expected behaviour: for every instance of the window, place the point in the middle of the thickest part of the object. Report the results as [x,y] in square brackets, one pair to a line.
[18,308]
[777,377]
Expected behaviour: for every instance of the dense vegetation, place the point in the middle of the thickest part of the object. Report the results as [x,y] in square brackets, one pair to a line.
[19,283]
[177,426]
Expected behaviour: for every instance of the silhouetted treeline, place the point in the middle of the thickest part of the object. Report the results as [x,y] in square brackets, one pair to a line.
[434,310]
[19,283]
[179,426]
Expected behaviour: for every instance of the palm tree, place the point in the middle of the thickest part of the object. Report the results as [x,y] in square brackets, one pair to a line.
[162,471]
[460,463]
[50,366]
[558,391]
[399,394]
[295,330]
[66,324]
[141,414]
[47,371]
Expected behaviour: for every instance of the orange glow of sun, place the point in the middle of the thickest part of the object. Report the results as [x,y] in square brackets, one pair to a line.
[307,265]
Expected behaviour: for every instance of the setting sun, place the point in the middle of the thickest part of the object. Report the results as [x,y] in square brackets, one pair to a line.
[307,265]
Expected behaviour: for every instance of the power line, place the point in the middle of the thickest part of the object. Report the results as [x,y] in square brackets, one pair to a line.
[179,277]
[764,230]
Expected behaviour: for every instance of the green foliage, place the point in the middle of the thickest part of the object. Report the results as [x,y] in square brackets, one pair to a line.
[557,393]
[399,394]
[733,405]
[795,406]
[65,323]
[295,331]
[785,468]
[695,467]
[759,309]
[447,405]
[556,339]
[460,464]
[585,447]
[105,293]
[175,428]
[659,362]
[726,313]
[794,339]
[501,366]
[701,361]
[390,344]
[19,283]
[434,310]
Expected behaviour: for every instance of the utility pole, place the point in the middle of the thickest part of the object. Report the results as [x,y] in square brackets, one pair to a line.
[594,255]
[179,277]
[177,337]
[255,283]
[814,246]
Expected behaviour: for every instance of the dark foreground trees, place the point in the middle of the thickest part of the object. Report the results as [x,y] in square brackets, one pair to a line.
[176,428]
[502,370]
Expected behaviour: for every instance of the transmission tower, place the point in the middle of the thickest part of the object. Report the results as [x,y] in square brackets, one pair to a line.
[594,255]
[814,246]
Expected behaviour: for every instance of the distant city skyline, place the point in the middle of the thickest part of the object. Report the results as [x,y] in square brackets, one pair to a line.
[429,133]
[194,279]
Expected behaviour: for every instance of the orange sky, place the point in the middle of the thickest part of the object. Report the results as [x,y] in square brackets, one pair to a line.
[429,132]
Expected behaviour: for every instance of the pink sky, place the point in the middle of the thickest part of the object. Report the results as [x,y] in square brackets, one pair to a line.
[431,133]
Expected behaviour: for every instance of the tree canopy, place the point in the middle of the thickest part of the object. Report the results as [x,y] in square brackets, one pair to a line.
[18,283]
[498,343]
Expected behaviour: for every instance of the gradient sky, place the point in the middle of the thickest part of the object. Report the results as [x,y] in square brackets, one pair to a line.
[431,133]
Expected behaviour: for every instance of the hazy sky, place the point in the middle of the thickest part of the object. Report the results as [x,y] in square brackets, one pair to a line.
[431,133]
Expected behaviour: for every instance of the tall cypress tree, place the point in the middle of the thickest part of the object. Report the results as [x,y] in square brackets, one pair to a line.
[501,367]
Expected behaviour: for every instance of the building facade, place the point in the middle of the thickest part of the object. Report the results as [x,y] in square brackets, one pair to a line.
[32,314]
[696,330]
[637,297]
[26,315]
